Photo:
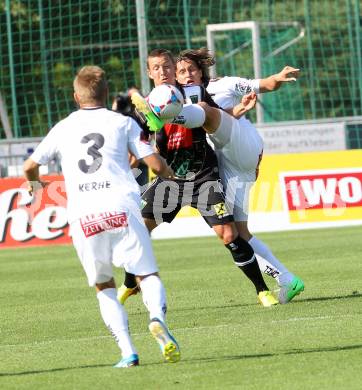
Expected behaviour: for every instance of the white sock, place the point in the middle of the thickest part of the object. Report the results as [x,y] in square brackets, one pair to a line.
[154,296]
[116,320]
[191,115]
[269,264]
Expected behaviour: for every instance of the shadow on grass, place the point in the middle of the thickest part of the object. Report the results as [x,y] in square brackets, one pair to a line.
[263,355]
[201,360]
[193,308]
[319,299]
[51,370]
[235,305]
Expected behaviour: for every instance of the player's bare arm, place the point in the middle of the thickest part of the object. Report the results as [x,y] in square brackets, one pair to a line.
[286,75]
[31,172]
[133,162]
[212,114]
[158,166]
[247,103]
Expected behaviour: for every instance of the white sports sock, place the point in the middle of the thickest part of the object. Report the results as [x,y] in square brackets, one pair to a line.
[154,296]
[116,319]
[191,116]
[269,264]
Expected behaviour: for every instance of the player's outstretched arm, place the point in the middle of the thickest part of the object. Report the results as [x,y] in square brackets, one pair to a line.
[272,83]
[158,165]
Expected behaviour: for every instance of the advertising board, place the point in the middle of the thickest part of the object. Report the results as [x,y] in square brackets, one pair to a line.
[293,191]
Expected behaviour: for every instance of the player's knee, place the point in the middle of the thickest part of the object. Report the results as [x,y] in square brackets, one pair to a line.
[212,118]
[229,233]
[225,233]
[228,236]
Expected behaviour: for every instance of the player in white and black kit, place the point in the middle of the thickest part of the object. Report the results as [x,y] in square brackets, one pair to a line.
[197,181]
[239,150]
[104,206]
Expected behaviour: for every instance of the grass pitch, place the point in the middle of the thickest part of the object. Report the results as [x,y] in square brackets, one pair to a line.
[52,336]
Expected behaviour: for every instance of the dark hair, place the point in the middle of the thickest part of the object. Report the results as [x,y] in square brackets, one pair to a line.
[203,60]
[124,104]
[160,53]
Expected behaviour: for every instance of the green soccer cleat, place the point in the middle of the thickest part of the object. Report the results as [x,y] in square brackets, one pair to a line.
[131,361]
[290,290]
[266,299]
[124,292]
[141,104]
[168,345]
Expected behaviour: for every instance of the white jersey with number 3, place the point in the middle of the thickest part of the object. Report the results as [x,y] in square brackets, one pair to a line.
[93,148]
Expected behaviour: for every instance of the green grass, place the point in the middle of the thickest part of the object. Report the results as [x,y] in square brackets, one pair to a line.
[52,336]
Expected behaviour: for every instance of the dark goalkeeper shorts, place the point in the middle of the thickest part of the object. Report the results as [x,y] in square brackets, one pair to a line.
[164,198]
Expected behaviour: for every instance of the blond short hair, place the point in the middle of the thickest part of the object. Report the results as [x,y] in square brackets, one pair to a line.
[90,84]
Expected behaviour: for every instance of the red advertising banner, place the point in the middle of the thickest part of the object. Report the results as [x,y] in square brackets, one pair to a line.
[324,190]
[25,221]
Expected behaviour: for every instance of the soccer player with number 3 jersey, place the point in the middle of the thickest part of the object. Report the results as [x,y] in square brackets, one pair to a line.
[104,206]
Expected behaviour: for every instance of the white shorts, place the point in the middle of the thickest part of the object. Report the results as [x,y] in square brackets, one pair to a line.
[238,143]
[118,238]
[222,135]
[237,189]
[239,149]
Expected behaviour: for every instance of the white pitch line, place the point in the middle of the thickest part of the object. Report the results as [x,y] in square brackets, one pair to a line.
[38,343]
[311,318]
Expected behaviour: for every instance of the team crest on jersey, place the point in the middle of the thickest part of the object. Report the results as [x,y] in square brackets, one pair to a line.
[143,204]
[220,209]
[194,99]
[243,87]
[182,169]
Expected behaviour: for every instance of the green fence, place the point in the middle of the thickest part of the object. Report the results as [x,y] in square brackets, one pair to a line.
[43,43]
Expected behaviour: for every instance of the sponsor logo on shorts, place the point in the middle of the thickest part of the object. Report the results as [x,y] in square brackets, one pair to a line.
[220,210]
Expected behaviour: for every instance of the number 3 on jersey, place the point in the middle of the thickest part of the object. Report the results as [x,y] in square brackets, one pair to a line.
[93,151]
